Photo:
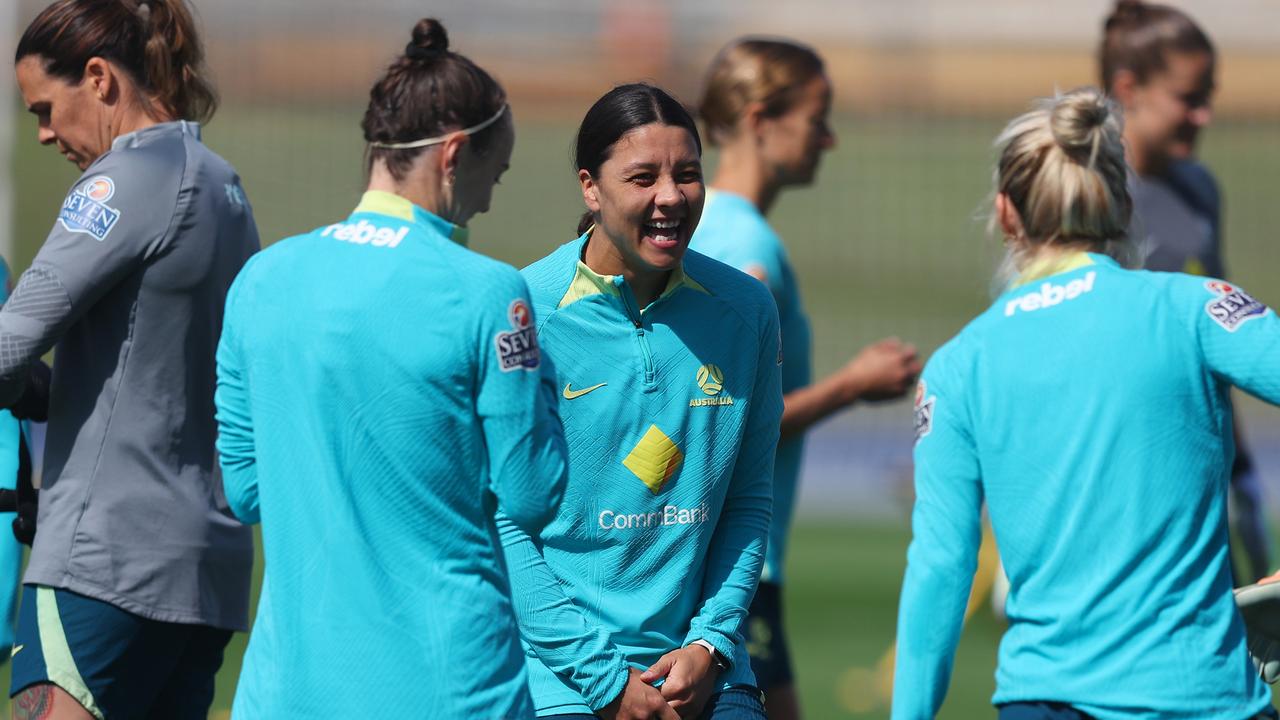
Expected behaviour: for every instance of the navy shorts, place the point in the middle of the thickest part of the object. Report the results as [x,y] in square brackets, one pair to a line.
[766,640]
[115,663]
[735,703]
[1062,711]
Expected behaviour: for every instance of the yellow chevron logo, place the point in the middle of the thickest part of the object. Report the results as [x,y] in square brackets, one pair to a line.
[654,459]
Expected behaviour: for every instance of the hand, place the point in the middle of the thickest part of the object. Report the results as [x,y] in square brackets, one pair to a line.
[1260,607]
[882,371]
[690,674]
[638,701]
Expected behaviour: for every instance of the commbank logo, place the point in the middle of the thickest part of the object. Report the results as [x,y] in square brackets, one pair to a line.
[654,459]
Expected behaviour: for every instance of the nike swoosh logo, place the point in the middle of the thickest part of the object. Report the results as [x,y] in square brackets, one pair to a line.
[16,649]
[570,393]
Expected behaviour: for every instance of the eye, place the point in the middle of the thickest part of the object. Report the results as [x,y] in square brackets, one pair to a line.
[643,179]
[690,176]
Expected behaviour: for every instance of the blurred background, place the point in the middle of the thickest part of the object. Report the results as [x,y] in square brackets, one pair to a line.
[889,241]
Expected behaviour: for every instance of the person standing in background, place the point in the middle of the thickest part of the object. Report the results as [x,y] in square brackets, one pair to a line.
[139,574]
[766,106]
[1159,65]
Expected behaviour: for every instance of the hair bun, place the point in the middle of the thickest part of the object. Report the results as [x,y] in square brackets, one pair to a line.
[429,42]
[1127,12]
[1079,118]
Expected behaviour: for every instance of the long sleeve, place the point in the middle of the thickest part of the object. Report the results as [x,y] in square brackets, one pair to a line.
[946,533]
[569,645]
[1239,338]
[736,555]
[117,217]
[236,450]
[527,455]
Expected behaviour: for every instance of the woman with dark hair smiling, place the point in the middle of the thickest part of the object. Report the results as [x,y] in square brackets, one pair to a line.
[670,398]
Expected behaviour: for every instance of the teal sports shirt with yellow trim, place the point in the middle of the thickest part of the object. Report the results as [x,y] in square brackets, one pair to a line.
[380,392]
[733,231]
[671,416]
[1090,409]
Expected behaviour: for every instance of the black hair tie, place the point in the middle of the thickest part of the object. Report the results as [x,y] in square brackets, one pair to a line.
[417,53]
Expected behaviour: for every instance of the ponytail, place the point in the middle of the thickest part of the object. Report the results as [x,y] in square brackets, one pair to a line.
[154,41]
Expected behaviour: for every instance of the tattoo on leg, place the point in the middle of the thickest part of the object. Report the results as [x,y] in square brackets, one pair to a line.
[34,703]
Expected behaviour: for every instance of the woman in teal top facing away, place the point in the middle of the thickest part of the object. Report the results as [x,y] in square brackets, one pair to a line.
[1089,407]
[765,107]
[373,429]
[667,363]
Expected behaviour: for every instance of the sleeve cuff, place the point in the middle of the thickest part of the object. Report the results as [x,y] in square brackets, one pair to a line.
[608,686]
[721,643]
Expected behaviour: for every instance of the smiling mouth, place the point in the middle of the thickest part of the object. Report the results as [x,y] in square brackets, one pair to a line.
[663,233]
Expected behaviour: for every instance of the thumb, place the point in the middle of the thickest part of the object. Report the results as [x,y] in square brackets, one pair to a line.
[658,669]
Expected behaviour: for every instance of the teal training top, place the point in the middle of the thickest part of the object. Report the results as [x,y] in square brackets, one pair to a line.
[671,415]
[1090,409]
[733,231]
[379,393]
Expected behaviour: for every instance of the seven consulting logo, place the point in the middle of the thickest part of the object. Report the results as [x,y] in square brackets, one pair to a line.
[518,349]
[86,211]
[1232,307]
[710,380]
[923,411]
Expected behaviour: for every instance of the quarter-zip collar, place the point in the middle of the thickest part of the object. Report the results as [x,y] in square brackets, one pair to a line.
[380,202]
[587,282]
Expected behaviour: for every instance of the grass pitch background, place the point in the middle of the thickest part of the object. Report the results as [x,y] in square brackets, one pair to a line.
[889,241]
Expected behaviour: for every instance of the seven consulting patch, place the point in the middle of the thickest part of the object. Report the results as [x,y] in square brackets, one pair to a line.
[1232,307]
[519,348]
[923,411]
[86,211]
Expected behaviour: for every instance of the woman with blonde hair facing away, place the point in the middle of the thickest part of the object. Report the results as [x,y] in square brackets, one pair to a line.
[138,574]
[1089,409]
[765,108]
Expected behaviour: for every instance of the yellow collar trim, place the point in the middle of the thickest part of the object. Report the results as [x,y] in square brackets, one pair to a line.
[1052,265]
[587,282]
[381,202]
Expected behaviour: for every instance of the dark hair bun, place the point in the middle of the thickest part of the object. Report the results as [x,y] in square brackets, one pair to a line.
[429,42]
[1127,12]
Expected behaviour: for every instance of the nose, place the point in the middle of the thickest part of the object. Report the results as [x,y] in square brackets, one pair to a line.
[45,135]
[667,192]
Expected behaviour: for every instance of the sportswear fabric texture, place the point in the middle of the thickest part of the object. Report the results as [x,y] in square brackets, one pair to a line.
[1090,409]
[733,231]
[114,663]
[1177,219]
[661,535]
[130,285]
[373,428]
[10,548]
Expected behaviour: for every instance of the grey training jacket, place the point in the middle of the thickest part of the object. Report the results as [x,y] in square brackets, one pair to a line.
[130,285]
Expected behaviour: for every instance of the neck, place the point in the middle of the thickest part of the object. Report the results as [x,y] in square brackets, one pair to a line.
[1143,162]
[603,257]
[743,172]
[424,194]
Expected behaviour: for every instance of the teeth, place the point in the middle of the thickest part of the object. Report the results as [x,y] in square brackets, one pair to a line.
[665,224]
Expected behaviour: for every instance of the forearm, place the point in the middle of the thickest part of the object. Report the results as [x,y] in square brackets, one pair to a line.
[734,562]
[579,651]
[807,406]
[930,616]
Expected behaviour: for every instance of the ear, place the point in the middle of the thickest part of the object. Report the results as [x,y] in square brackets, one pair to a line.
[101,78]
[1007,216]
[1124,86]
[590,191]
[451,151]
[753,118]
